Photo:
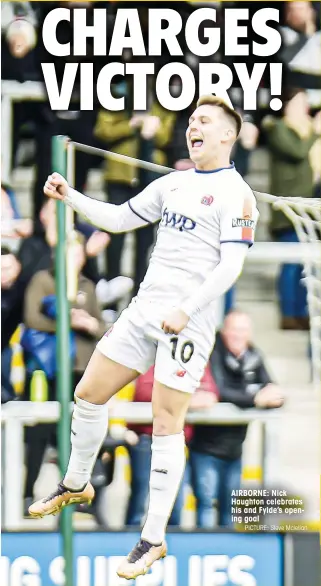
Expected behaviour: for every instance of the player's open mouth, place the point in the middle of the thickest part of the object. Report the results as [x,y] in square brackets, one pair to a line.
[196,142]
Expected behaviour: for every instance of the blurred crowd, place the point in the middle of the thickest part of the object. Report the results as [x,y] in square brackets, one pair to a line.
[236,371]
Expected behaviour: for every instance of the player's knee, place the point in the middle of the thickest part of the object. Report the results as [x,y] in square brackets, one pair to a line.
[85,391]
[88,392]
[166,423]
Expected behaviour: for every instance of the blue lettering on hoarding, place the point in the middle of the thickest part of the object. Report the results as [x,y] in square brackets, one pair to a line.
[194,560]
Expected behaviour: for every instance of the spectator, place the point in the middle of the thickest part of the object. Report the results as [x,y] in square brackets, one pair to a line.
[11,312]
[315,161]
[216,450]
[20,47]
[36,254]
[12,226]
[23,53]
[18,23]
[36,251]
[87,327]
[140,452]
[290,140]
[245,144]
[12,282]
[177,151]
[140,136]
[301,45]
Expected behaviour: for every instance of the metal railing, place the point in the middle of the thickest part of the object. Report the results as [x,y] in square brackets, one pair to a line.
[14,91]
[16,415]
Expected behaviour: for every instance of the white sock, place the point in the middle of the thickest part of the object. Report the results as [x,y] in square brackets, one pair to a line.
[167,468]
[88,430]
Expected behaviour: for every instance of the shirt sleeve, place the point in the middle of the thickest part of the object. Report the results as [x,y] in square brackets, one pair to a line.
[145,208]
[219,280]
[238,218]
[147,205]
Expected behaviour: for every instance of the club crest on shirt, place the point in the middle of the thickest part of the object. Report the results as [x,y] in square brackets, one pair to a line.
[242,223]
[207,200]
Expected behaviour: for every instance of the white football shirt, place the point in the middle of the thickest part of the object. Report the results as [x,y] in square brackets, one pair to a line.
[198,211]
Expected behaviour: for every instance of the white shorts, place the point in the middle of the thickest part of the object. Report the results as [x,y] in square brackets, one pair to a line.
[137,341]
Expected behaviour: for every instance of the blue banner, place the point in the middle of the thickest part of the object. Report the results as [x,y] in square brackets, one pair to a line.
[194,559]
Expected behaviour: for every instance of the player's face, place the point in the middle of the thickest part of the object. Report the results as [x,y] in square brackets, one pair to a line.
[205,133]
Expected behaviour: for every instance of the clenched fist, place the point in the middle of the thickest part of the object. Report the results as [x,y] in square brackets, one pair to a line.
[56,187]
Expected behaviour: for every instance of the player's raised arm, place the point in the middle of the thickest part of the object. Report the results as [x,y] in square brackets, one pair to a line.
[141,210]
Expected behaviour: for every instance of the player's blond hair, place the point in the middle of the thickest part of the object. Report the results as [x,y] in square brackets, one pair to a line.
[220,103]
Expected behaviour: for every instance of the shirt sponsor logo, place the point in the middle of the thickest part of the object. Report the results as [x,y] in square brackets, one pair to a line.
[207,200]
[178,221]
[242,223]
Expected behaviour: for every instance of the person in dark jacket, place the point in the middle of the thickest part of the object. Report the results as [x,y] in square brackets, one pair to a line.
[24,52]
[11,310]
[291,141]
[35,253]
[243,380]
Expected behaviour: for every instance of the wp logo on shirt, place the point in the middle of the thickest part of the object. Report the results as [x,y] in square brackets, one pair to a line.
[242,223]
[178,221]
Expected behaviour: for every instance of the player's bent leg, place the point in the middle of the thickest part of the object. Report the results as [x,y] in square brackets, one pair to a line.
[102,379]
[167,469]
[169,409]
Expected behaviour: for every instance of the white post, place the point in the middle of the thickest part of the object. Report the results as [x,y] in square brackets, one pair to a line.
[13,473]
[71,180]
[6,138]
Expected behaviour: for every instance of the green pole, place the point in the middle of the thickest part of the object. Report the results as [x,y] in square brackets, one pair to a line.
[64,370]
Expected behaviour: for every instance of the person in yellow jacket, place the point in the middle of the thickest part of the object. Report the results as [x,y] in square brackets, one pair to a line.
[138,135]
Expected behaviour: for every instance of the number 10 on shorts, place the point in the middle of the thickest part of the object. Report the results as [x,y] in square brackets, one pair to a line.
[184,353]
